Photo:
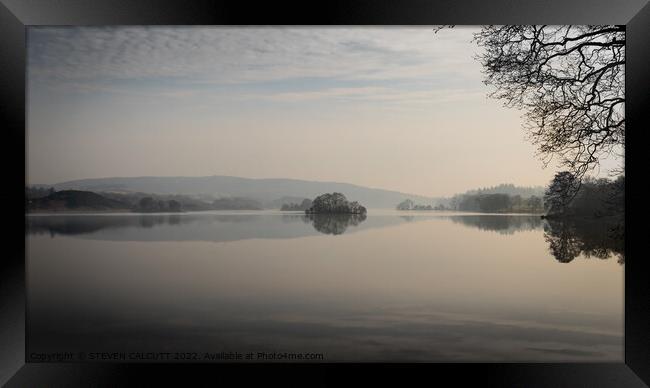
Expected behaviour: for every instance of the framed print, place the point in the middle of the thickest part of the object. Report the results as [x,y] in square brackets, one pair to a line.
[355,192]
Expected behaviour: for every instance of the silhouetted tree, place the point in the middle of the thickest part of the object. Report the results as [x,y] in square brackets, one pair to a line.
[568,79]
[560,192]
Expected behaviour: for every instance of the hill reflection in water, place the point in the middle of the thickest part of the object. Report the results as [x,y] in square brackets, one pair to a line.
[567,239]
[199,226]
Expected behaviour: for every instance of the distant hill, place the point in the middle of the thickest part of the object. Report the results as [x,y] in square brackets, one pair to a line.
[271,193]
[75,200]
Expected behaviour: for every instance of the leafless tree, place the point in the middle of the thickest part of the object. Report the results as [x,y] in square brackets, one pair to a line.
[569,80]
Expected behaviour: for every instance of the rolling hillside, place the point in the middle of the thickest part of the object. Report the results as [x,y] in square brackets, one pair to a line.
[266,191]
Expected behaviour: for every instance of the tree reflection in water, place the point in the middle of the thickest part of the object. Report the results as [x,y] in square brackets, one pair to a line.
[503,224]
[334,223]
[71,225]
[568,238]
[599,238]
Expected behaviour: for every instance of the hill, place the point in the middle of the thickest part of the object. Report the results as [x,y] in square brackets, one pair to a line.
[268,192]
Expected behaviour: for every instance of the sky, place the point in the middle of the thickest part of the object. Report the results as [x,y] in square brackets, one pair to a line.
[394,108]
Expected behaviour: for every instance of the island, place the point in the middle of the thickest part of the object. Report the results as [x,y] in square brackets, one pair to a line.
[334,203]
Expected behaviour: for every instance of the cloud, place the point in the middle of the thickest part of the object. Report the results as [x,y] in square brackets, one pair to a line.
[208,56]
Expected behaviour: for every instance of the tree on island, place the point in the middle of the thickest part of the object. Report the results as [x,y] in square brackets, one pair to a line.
[334,203]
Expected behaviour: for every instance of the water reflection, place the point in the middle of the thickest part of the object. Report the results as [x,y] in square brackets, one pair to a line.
[434,287]
[335,223]
[504,224]
[79,225]
[199,226]
[601,239]
[567,239]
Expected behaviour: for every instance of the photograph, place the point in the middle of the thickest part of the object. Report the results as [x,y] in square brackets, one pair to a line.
[325,194]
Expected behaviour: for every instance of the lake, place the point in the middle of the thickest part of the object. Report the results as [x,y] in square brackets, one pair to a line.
[391,286]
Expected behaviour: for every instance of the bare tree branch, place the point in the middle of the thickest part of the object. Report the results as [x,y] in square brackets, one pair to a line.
[569,80]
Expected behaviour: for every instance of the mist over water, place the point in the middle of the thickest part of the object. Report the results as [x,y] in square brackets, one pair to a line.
[391,287]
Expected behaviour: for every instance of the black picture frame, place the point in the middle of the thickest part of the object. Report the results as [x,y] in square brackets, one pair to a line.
[16,15]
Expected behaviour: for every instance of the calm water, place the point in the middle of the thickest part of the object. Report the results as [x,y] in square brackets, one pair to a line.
[391,287]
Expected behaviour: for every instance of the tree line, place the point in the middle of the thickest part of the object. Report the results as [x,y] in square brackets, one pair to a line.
[497,203]
[567,196]
[33,192]
[304,205]
[510,189]
[570,82]
[408,204]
